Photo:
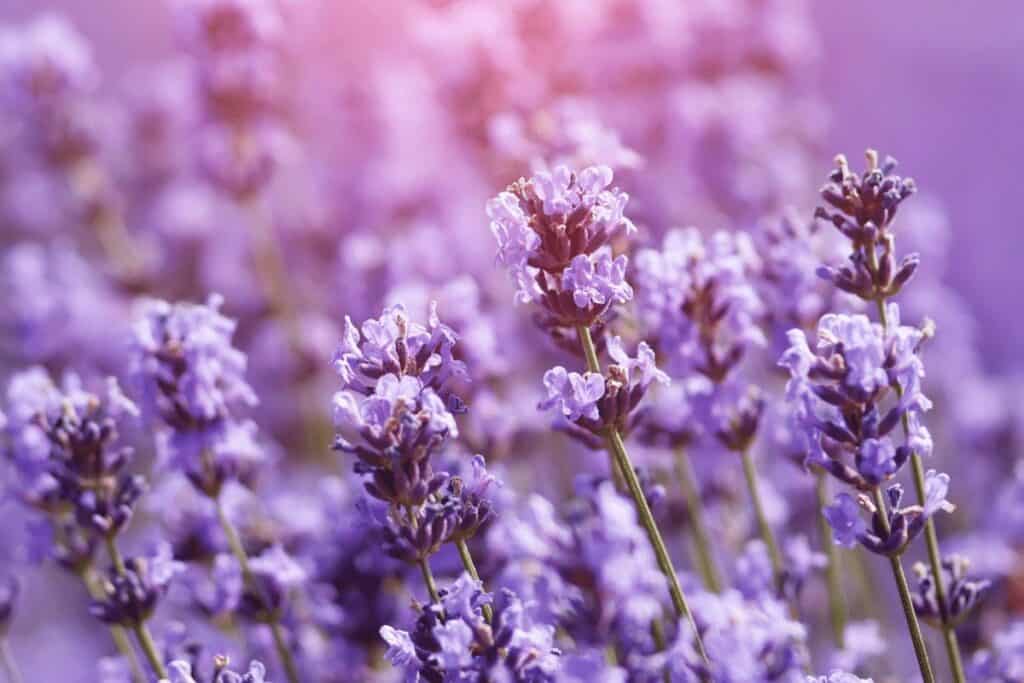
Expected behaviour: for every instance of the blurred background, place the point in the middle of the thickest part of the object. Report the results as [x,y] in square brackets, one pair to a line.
[940,85]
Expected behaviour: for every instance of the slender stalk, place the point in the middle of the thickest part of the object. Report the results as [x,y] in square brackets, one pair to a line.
[621,459]
[11,670]
[658,636]
[765,529]
[836,603]
[149,648]
[121,640]
[470,567]
[115,555]
[273,619]
[931,538]
[920,650]
[428,580]
[643,510]
[695,507]
[141,631]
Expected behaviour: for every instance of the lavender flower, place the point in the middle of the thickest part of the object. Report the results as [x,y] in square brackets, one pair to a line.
[890,537]
[467,500]
[394,345]
[551,232]
[746,641]
[865,207]
[192,379]
[592,402]
[453,641]
[274,575]
[240,78]
[844,517]
[697,298]
[62,443]
[754,573]
[392,374]
[131,593]
[597,281]
[961,593]
[574,395]
[841,391]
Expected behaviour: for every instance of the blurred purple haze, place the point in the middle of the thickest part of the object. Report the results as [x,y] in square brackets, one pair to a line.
[939,85]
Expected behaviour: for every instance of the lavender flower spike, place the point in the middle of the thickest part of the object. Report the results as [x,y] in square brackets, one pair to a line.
[192,379]
[553,233]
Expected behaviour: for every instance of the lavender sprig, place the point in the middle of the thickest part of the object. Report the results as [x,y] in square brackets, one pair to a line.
[192,379]
[846,408]
[552,232]
[866,206]
[395,411]
[697,296]
[64,447]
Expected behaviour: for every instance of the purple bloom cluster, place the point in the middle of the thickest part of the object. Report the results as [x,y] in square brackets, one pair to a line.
[453,641]
[699,303]
[592,402]
[62,446]
[192,381]
[554,232]
[846,399]
[240,75]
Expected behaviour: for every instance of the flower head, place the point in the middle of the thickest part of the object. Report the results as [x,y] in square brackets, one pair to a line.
[192,378]
[130,596]
[552,232]
[696,295]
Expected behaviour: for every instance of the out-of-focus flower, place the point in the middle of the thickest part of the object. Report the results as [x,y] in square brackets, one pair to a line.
[1004,660]
[696,296]
[962,593]
[192,379]
[130,594]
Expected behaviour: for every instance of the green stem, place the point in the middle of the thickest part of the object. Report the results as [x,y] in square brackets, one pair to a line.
[141,631]
[7,660]
[428,580]
[836,603]
[643,510]
[920,650]
[622,462]
[695,508]
[767,535]
[931,538]
[273,619]
[470,567]
[658,636]
[115,556]
[149,648]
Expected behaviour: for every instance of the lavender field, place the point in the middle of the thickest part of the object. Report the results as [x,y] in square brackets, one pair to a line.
[511,341]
